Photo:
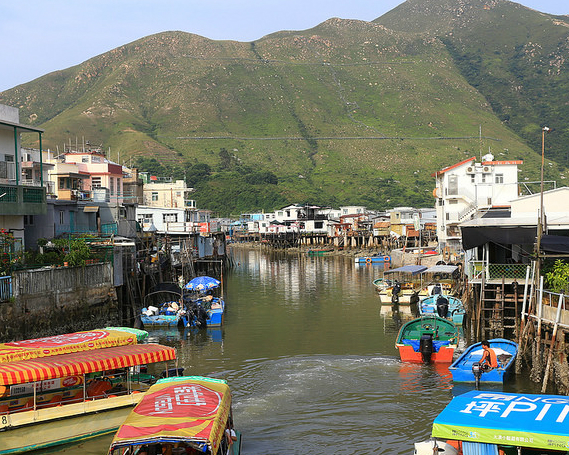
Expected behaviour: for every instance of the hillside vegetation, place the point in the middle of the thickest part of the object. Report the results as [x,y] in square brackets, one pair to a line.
[349,112]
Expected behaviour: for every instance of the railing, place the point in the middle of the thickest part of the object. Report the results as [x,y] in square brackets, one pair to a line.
[74,229]
[496,271]
[109,229]
[5,288]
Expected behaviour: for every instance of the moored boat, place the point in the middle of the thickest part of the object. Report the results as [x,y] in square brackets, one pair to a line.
[404,290]
[445,306]
[381,259]
[479,422]
[190,414]
[74,386]
[427,339]
[464,368]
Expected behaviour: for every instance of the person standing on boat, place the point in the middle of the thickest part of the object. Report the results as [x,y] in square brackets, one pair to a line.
[489,359]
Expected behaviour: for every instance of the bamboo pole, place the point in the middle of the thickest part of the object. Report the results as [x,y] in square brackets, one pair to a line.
[552,344]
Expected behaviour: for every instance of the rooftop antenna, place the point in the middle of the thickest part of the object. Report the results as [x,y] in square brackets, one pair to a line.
[480,140]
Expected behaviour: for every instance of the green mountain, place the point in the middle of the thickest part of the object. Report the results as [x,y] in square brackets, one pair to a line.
[349,112]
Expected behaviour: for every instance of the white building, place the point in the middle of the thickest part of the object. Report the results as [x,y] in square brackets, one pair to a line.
[468,186]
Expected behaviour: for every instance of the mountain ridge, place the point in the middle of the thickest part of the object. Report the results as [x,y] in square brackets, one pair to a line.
[345,112]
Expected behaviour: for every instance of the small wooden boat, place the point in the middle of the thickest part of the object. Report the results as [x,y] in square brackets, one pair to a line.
[462,368]
[479,422]
[319,251]
[182,415]
[427,339]
[206,311]
[445,306]
[405,289]
[372,259]
[70,387]
[162,308]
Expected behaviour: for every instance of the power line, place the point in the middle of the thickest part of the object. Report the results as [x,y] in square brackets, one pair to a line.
[333,138]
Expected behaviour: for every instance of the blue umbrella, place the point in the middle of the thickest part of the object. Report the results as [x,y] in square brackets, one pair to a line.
[202,283]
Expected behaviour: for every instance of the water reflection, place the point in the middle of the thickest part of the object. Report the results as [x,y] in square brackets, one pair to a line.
[311,361]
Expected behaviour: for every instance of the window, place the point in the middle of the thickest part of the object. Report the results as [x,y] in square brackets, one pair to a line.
[452,185]
[9,158]
[447,216]
[84,159]
[472,178]
[318,224]
[170,217]
[154,196]
[61,217]
[441,203]
[483,178]
[499,178]
[28,220]
[96,182]
[145,218]
[453,201]
[118,187]
[95,159]
[112,185]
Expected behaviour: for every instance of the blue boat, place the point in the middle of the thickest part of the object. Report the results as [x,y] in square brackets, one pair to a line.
[505,350]
[372,259]
[205,311]
[450,307]
[162,308]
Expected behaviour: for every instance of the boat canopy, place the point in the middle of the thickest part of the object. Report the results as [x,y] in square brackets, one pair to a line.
[79,363]
[412,269]
[67,343]
[190,409]
[515,419]
[450,269]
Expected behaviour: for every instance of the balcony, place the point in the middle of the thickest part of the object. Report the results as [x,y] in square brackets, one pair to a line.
[22,200]
[496,272]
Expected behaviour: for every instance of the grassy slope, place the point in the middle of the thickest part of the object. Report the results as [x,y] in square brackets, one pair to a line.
[342,79]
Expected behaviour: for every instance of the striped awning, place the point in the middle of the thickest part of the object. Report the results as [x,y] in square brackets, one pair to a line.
[78,363]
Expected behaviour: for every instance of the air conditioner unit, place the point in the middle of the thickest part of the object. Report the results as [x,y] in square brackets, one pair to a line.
[486,169]
[470,169]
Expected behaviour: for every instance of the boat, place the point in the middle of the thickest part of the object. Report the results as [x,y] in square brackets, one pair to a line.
[479,422]
[69,387]
[382,284]
[319,251]
[381,259]
[162,308]
[405,289]
[428,339]
[203,311]
[187,414]
[464,369]
[445,306]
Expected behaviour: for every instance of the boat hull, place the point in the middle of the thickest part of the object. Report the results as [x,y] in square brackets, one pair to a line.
[161,320]
[372,259]
[408,354]
[63,424]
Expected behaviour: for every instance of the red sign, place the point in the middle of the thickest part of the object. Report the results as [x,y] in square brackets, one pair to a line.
[181,400]
[60,340]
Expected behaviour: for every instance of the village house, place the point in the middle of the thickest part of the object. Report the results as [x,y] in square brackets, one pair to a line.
[466,187]
[22,177]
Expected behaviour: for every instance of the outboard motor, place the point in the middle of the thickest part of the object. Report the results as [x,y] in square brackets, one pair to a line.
[442,306]
[477,372]
[436,289]
[426,347]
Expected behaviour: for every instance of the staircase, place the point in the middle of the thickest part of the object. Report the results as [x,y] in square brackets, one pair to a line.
[499,309]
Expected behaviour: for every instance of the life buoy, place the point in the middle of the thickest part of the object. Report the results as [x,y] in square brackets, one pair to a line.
[368,260]
[386,259]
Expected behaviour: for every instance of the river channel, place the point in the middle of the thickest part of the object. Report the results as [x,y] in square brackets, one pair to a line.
[311,362]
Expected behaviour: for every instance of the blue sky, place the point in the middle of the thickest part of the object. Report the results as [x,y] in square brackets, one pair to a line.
[41,36]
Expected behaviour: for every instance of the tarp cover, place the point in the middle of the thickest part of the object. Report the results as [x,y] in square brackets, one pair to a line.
[478,236]
[66,343]
[79,363]
[441,269]
[555,244]
[190,409]
[412,269]
[516,419]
